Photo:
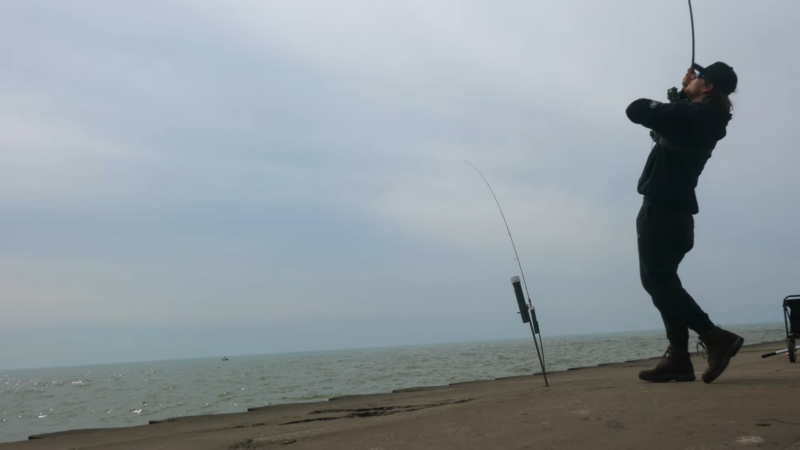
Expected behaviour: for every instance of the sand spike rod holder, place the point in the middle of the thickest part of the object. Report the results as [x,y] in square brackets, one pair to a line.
[525,310]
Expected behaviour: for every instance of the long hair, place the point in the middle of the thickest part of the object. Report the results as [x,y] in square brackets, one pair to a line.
[718,98]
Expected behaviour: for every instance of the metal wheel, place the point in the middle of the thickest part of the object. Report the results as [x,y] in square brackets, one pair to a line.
[790,346]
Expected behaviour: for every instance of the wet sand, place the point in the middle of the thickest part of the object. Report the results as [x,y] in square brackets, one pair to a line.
[754,404]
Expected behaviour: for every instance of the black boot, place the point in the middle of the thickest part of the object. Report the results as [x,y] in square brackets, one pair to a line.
[674,365]
[721,346]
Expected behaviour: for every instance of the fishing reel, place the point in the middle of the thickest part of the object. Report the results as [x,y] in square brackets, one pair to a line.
[672,94]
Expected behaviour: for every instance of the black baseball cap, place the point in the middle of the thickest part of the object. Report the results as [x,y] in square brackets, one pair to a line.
[720,75]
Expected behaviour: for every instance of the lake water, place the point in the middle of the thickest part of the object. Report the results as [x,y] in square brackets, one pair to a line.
[38,401]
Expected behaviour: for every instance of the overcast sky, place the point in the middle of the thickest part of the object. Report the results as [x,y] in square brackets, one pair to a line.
[201,178]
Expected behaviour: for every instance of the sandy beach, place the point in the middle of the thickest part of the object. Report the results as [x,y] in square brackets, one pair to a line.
[754,404]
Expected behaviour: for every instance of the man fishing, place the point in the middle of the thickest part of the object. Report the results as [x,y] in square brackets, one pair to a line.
[686,131]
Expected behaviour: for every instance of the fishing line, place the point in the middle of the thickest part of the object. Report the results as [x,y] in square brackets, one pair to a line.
[530,305]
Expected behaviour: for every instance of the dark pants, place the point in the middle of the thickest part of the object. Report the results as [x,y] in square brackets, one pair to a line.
[665,236]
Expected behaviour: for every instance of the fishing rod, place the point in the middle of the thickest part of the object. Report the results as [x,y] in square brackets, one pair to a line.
[534,324]
[672,93]
[697,67]
[691,18]
[778,352]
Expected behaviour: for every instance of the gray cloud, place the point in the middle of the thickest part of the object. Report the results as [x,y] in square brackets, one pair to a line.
[296,170]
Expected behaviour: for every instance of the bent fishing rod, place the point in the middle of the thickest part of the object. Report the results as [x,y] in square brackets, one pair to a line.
[529,314]
[691,18]
[697,67]
[672,93]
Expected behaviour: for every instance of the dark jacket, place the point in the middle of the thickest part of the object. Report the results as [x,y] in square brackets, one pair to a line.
[686,132]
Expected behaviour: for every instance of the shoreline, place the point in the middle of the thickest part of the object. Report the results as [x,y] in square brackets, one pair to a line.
[605,398]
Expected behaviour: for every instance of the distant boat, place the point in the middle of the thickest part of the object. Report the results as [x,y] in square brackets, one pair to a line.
[224,358]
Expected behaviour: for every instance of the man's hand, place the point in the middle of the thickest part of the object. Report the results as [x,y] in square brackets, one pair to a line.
[689,77]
